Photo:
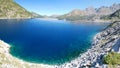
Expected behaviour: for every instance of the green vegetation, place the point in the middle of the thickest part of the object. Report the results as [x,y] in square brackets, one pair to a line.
[112,58]
[10,9]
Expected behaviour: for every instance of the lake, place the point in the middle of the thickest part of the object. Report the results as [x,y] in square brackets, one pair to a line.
[47,41]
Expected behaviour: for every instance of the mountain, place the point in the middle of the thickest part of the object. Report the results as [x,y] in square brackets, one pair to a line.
[10,9]
[35,15]
[114,16]
[54,16]
[90,13]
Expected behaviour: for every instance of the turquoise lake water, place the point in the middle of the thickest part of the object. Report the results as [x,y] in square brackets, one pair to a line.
[47,41]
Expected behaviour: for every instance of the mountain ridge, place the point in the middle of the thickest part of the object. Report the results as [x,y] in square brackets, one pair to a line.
[10,9]
[114,16]
[89,14]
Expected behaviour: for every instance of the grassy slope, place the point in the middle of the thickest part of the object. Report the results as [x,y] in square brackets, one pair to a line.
[10,9]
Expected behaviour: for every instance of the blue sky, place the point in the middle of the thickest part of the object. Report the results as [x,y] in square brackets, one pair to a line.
[50,7]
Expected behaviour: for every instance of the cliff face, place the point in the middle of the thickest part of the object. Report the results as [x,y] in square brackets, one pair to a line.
[10,9]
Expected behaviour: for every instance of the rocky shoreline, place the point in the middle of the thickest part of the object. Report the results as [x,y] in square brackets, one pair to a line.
[102,44]
[8,61]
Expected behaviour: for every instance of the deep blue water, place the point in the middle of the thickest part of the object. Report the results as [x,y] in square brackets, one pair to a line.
[49,42]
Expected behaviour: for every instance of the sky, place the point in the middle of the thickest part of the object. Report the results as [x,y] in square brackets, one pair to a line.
[58,7]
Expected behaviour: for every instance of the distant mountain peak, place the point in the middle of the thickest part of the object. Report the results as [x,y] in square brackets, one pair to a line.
[90,13]
[76,12]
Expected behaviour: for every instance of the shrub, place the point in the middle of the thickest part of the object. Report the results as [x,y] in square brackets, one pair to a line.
[112,58]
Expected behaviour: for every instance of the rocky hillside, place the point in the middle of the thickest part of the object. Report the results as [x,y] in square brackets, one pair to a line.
[103,43]
[89,14]
[114,16]
[10,9]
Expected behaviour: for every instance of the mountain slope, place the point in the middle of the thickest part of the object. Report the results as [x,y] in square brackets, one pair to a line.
[114,16]
[35,15]
[10,9]
[89,14]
